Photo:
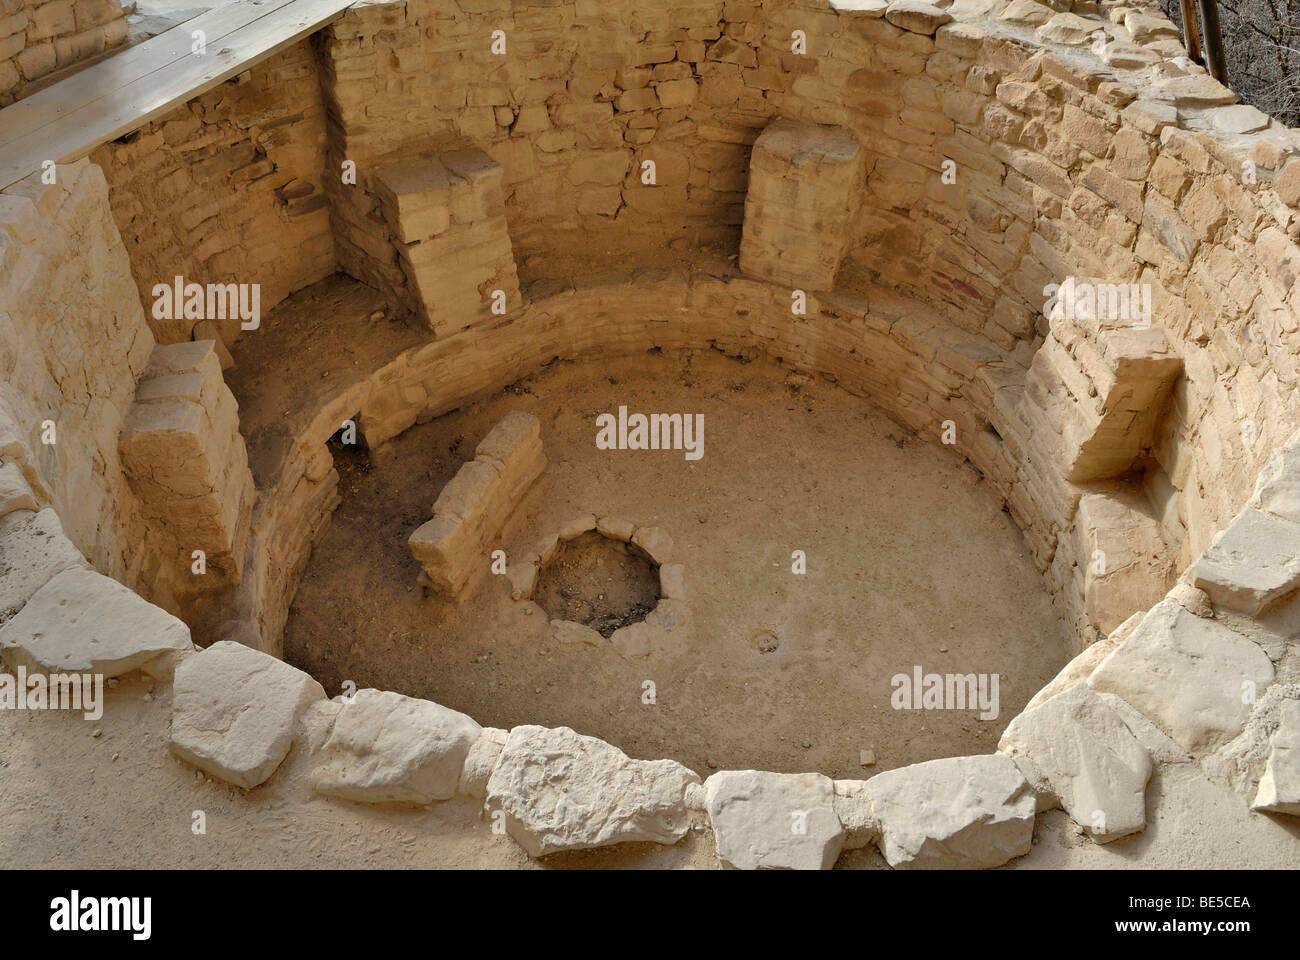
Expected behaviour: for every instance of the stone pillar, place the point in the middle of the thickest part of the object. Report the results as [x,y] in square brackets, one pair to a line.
[186,461]
[447,214]
[805,185]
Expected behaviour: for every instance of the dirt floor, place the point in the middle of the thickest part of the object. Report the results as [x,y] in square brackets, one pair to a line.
[910,562]
[822,473]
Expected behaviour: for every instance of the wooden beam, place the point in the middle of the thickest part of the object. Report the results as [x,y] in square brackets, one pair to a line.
[112,99]
[1191,30]
[1215,60]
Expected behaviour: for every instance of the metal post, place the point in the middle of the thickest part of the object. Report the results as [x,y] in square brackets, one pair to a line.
[1191,31]
[1215,61]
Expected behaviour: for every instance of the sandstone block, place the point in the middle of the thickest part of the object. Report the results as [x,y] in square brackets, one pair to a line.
[774,821]
[564,791]
[1187,675]
[1252,563]
[1279,787]
[387,748]
[805,186]
[916,16]
[83,622]
[481,761]
[235,711]
[1078,751]
[959,813]
[33,550]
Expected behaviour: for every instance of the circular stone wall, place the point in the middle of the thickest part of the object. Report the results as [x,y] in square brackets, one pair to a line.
[910,562]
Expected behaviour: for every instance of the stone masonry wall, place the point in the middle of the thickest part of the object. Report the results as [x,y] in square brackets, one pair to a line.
[38,37]
[227,188]
[73,341]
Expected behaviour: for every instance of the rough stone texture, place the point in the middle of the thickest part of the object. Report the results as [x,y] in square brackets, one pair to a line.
[1277,490]
[1128,565]
[229,188]
[804,185]
[672,581]
[1068,29]
[1105,439]
[475,508]
[1188,675]
[638,640]
[916,16]
[481,761]
[448,215]
[1252,563]
[655,542]
[1279,788]
[853,808]
[774,821]
[561,790]
[235,711]
[33,550]
[186,461]
[82,621]
[569,631]
[41,37]
[387,748]
[15,492]
[959,813]
[73,342]
[616,528]
[1079,752]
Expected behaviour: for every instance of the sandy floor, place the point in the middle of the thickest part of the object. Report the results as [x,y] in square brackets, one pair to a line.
[910,561]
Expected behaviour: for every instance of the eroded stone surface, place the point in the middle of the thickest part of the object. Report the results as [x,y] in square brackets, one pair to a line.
[387,748]
[1279,788]
[33,550]
[959,813]
[1187,674]
[481,761]
[570,631]
[235,711]
[1078,751]
[1252,563]
[916,16]
[780,821]
[82,621]
[561,790]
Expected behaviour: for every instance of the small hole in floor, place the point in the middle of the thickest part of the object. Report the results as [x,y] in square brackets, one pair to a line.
[598,582]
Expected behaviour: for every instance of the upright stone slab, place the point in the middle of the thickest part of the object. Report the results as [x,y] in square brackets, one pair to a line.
[447,215]
[805,184]
[1131,372]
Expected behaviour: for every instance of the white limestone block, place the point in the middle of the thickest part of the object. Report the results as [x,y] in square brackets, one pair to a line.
[235,711]
[774,821]
[561,790]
